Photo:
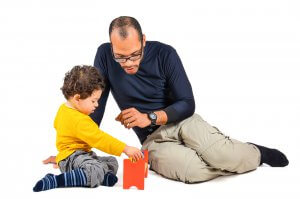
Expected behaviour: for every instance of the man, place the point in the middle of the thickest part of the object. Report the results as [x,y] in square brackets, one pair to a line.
[150,86]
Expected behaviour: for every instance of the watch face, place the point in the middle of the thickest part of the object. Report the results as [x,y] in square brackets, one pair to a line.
[152,116]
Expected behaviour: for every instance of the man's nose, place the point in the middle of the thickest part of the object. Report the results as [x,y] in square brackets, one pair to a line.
[127,63]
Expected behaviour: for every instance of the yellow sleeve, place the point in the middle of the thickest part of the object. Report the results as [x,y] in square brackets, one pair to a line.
[88,131]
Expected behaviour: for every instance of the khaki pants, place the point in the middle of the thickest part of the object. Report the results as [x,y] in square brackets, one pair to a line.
[194,151]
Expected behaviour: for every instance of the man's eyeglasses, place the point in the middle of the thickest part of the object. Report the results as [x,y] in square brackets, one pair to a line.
[131,58]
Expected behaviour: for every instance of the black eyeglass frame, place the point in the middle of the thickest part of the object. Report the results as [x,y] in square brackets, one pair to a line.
[131,58]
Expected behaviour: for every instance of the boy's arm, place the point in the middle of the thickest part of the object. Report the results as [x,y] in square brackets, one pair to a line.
[89,132]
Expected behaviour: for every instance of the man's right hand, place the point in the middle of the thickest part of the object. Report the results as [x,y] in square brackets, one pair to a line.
[133,152]
[51,160]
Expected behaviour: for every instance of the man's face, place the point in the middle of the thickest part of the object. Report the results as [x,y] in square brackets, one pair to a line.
[131,47]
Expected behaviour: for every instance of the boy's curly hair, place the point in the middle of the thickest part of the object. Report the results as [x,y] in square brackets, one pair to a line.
[82,80]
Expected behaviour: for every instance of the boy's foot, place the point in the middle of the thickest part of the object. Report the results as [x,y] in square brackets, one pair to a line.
[46,183]
[73,178]
[110,179]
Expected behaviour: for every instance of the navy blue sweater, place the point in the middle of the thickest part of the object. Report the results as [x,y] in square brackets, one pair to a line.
[160,84]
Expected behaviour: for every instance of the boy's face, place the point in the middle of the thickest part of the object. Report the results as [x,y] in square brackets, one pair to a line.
[88,105]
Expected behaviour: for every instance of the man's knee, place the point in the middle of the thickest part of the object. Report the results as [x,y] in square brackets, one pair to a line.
[235,158]
[199,171]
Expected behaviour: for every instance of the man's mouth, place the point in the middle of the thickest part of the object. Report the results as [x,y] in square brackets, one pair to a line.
[129,69]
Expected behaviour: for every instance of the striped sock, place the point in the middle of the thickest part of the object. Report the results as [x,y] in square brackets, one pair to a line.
[110,179]
[74,178]
[48,182]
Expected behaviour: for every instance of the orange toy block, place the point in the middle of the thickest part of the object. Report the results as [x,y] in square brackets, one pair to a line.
[134,173]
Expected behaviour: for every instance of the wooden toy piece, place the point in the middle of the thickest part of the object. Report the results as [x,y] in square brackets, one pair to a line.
[146,162]
[134,173]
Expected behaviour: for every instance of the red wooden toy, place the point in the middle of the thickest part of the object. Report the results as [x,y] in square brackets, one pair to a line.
[134,173]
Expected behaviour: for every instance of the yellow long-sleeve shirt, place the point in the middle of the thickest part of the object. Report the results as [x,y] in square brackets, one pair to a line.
[77,131]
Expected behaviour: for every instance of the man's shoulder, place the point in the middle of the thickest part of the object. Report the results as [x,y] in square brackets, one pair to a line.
[160,45]
[159,49]
[104,47]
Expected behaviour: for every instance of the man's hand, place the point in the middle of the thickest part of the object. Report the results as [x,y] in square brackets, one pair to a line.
[133,153]
[132,117]
[51,160]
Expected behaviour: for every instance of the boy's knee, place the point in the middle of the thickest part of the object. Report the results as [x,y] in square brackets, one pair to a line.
[94,174]
[112,164]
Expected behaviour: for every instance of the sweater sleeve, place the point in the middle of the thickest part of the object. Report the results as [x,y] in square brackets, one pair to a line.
[183,103]
[100,63]
[88,131]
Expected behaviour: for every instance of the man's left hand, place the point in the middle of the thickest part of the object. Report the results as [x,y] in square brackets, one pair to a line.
[132,117]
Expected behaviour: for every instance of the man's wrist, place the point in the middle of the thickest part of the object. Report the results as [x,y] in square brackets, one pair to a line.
[162,117]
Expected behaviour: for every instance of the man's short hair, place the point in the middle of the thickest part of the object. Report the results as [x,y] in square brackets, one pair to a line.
[122,24]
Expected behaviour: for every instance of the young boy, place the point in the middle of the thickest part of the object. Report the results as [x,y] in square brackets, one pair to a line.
[77,133]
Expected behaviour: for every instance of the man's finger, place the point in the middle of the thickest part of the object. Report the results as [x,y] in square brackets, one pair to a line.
[126,116]
[125,111]
[129,120]
[118,117]
[132,124]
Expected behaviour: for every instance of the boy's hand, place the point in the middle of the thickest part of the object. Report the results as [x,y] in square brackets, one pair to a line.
[133,152]
[51,160]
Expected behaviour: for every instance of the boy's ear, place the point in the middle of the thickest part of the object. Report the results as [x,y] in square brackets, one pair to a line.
[77,97]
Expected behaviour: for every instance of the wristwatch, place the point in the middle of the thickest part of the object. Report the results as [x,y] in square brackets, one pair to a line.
[152,117]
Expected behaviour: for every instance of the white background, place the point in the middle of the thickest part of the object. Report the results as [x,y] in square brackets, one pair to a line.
[242,59]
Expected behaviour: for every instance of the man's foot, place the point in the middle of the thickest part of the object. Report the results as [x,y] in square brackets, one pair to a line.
[110,179]
[272,157]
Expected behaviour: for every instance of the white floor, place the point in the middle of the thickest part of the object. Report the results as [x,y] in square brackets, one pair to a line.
[265,182]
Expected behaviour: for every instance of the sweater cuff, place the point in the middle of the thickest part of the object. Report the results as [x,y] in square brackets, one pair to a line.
[171,113]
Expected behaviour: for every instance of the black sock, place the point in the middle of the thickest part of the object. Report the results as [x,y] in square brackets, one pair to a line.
[110,179]
[272,157]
